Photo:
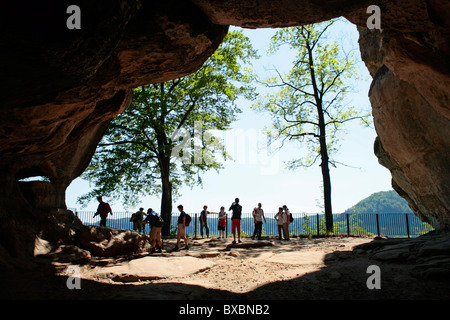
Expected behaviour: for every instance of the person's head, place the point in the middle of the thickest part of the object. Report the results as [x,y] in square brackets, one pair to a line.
[222,208]
[280,209]
[285,207]
[259,205]
[99,198]
[150,210]
[236,200]
[180,207]
[141,209]
[205,207]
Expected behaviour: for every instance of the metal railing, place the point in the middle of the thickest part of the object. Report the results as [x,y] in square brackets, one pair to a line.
[350,224]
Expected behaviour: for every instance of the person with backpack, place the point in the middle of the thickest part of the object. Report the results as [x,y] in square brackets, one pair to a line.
[103,209]
[289,220]
[282,224]
[236,219]
[181,231]
[156,222]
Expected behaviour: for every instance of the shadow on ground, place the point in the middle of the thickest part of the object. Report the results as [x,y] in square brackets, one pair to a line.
[409,269]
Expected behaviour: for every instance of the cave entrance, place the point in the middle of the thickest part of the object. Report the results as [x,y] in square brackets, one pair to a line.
[263,178]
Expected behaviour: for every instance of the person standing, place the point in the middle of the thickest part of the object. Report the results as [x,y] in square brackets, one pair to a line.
[280,217]
[181,231]
[137,219]
[103,209]
[288,220]
[236,220]
[258,216]
[204,221]
[156,223]
[222,222]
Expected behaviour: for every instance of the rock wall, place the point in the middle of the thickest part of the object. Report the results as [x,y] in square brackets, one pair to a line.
[61,87]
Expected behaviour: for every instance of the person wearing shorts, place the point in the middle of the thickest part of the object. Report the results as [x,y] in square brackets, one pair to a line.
[155,230]
[236,219]
[222,222]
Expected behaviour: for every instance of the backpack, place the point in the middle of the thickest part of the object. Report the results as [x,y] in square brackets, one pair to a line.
[159,222]
[188,220]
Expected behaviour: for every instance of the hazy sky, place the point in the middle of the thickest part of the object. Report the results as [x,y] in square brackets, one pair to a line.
[254,177]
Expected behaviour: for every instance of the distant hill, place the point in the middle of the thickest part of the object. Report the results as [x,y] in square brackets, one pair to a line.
[381,202]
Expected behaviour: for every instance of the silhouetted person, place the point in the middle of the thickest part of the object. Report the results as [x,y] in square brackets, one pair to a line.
[181,231]
[258,216]
[204,221]
[103,209]
[156,223]
[236,219]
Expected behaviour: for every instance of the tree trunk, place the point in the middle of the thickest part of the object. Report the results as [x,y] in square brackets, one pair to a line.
[323,146]
[325,172]
[166,206]
[166,198]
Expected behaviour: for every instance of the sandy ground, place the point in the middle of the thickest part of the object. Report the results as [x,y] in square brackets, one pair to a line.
[213,269]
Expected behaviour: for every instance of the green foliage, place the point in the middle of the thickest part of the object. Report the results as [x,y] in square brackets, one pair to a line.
[136,155]
[381,202]
[316,86]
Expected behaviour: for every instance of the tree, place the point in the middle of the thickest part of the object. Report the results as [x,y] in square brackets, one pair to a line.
[147,149]
[310,103]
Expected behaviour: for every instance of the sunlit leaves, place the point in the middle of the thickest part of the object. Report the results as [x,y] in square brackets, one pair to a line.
[317,85]
[138,144]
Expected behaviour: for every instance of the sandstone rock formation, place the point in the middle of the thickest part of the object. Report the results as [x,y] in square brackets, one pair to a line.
[60,87]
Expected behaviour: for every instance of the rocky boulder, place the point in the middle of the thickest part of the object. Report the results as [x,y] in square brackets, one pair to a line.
[60,88]
[107,242]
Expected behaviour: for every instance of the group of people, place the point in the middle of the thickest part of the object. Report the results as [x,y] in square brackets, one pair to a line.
[283,218]
[155,223]
[235,223]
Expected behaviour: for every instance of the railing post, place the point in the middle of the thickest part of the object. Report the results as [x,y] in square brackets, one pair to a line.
[348,227]
[195,226]
[226,225]
[407,224]
[318,227]
[378,224]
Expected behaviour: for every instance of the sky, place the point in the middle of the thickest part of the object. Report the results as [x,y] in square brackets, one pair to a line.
[255,177]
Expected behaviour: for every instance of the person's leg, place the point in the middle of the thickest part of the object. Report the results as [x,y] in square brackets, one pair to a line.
[233,229]
[279,231]
[239,229]
[259,223]
[185,239]
[207,230]
[286,231]
[158,239]
[178,236]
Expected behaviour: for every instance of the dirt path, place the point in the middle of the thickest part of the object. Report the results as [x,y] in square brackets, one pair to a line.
[302,268]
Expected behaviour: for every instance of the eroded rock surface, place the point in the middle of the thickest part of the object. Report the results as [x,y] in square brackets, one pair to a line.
[61,87]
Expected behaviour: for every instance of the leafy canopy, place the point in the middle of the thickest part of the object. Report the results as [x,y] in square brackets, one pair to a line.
[136,154]
[317,85]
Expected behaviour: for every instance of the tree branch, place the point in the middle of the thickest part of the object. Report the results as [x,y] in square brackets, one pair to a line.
[129,142]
